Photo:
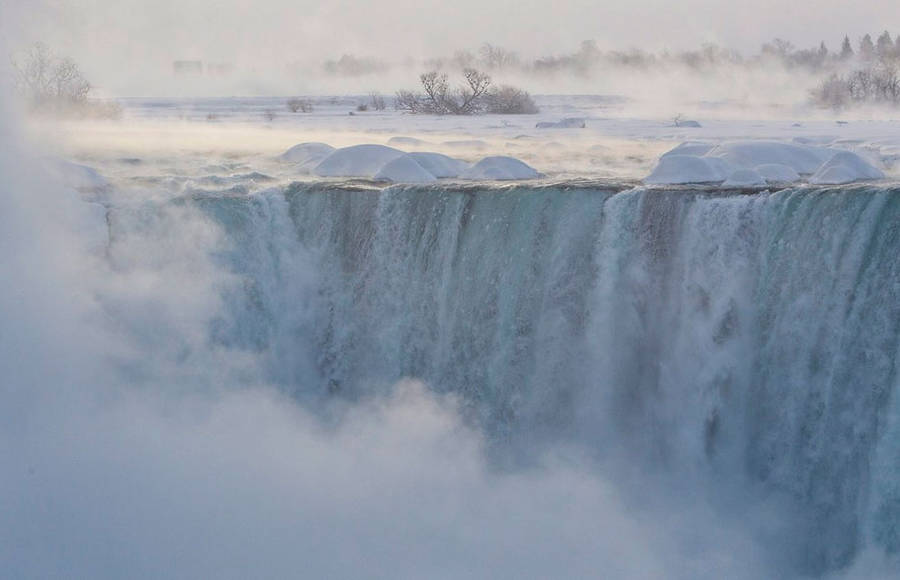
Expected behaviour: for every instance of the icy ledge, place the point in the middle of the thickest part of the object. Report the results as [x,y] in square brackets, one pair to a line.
[384,163]
[760,163]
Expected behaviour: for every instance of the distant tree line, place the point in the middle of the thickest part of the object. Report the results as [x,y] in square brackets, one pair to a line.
[588,57]
[871,79]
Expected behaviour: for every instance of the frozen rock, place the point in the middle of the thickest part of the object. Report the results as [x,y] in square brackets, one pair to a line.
[778,173]
[439,165]
[357,161]
[845,167]
[305,151]
[404,170]
[675,169]
[500,168]
[745,178]
[690,148]
[803,159]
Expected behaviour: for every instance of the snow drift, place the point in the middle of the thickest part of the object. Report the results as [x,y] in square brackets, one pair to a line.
[758,163]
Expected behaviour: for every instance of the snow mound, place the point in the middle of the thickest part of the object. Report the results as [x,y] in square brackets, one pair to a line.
[439,165]
[691,148]
[755,163]
[675,169]
[409,141]
[778,173]
[500,168]
[357,161]
[404,170]
[845,167]
[303,152]
[77,176]
[803,159]
[745,178]
[569,123]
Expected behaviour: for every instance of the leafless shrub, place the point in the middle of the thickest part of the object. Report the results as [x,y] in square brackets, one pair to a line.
[507,100]
[377,101]
[362,107]
[440,99]
[48,81]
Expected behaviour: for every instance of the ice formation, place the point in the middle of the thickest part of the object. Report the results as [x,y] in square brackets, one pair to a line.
[757,163]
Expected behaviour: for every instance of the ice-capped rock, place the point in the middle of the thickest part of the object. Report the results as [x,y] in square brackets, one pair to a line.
[438,164]
[845,167]
[804,159]
[404,169]
[675,169]
[303,152]
[690,148]
[500,168]
[357,161]
[778,173]
[745,178]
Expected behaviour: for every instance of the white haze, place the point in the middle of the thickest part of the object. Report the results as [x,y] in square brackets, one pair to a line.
[131,448]
[127,47]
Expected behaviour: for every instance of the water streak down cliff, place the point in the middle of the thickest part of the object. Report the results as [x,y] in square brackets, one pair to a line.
[750,335]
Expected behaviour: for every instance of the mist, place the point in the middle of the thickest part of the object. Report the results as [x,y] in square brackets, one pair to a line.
[127,48]
[131,446]
[216,362]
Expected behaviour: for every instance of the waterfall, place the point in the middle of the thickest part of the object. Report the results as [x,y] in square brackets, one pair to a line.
[750,337]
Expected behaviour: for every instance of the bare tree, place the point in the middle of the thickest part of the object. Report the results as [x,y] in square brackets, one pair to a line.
[45,79]
[377,101]
[439,99]
[507,100]
[477,84]
[496,57]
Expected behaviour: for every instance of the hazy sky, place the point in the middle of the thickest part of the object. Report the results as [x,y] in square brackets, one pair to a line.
[120,37]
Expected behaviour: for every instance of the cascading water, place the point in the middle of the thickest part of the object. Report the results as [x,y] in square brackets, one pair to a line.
[751,337]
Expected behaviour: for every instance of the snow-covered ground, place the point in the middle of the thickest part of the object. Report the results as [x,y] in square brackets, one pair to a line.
[239,143]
